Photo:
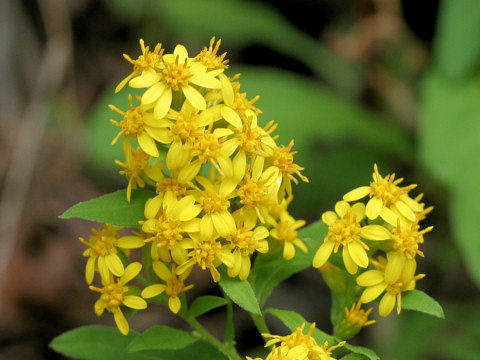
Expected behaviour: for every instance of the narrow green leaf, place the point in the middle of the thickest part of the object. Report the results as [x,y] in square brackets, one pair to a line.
[241,293]
[293,320]
[354,356]
[112,208]
[161,338]
[269,270]
[419,301]
[204,304]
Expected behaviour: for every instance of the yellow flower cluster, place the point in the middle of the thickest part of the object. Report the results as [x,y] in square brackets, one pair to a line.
[222,187]
[298,346]
[391,217]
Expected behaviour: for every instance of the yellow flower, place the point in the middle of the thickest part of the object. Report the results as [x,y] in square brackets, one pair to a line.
[300,346]
[167,224]
[102,251]
[178,73]
[215,203]
[378,281]
[209,58]
[135,165]
[244,243]
[149,60]
[139,123]
[207,253]
[173,287]
[386,198]
[286,230]
[115,294]
[255,140]
[358,317]
[283,160]
[344,229]
[257,188]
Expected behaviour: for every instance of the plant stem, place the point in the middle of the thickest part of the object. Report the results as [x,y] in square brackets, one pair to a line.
[260,323]
[226,349]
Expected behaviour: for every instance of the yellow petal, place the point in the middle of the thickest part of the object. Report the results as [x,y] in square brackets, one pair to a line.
[350,265]
[358,210]
[131,272]
[153,290]
[374,207]
[163,104]
[179,255]
[372,292]
[124,82]
[90,269]
[370,278]
[329,218]
[194,97]
[215,274]
[147,79]
[341,208]
[301,245]
[375,232]
[245,268]
[412,204]
[189,172]
[153,93]
[163,136]
[226,89]
[389,216]
[323,253]
[114,264]
[121,322]
[180,52]
[239,164]
[174,304]
[147,144]
[357,193]
[386,304]
[206,226]
[288,251]
[223,224]
[103,269]
[394,267]
[205,81]
[134,302]
[405,210]
[162,271]
[358,254]
[231,116]
[130,242]
[151,208]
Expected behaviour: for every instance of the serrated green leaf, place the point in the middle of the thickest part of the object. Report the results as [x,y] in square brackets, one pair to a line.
[112,208]
[269,270]
[293,320]
[204,304]
[419,301]
[161,338]
[241,293]
[457,53]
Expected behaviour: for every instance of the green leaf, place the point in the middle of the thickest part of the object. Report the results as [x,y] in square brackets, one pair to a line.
[353,356]
[112,208]
[161,338]
[457,52]
[241,293]
[419,301]
[204,304]
[270,270]
[107,343]
[293,320]
[451,111]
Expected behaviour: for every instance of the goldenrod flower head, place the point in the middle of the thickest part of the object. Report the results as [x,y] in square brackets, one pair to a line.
[300,346]
[209,58]
[358,317]
[386,198]
[207,253]
[102,251]
[147,61]
[115,294]
[254,139]
[134,168]
[406,238]
[173,287]
[394,276]
[283,160]
[344,229]
[244,243]
[139,123]
[286,231]
[241,105]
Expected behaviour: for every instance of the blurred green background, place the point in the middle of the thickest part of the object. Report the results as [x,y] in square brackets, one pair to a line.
[354,82]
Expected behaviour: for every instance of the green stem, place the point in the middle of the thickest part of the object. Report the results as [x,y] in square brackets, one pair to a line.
[230,331]
[260,323]
[226,349]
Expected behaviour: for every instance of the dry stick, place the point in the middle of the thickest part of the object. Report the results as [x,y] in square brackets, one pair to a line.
[19,174]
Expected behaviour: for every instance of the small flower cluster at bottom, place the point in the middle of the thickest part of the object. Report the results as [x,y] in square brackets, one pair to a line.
[298,346]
